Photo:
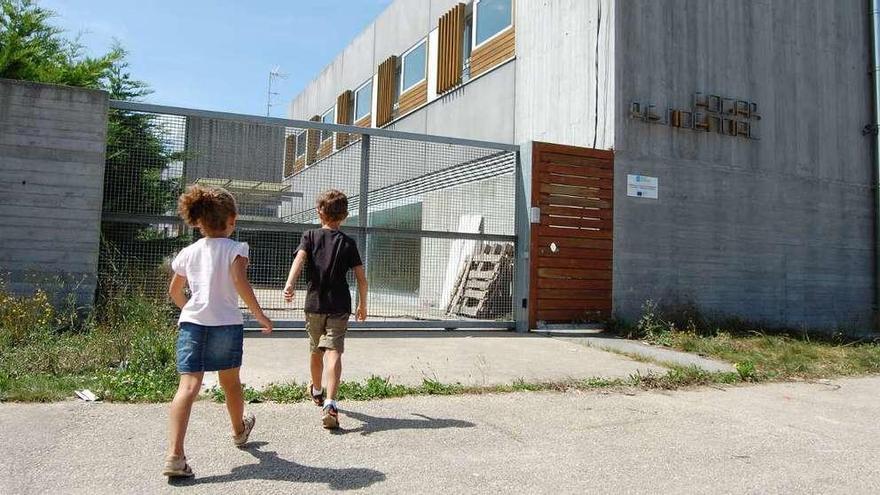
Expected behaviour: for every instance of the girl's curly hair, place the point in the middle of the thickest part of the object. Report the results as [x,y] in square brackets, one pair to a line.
[333,205]
[207,207]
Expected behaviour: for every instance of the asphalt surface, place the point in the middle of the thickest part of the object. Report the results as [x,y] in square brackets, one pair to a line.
[779,438]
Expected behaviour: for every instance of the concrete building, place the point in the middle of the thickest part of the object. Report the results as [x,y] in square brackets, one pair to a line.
[723,141]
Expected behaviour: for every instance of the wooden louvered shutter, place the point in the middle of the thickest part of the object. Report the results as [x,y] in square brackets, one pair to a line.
[289,154]
[450,49]
[345,116]
[314,138]
[387,88]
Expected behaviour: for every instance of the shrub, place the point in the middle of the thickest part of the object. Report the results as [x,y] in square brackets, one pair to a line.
[123,348]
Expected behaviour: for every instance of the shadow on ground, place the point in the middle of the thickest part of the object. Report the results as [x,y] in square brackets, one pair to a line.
[373,424]
[273,468]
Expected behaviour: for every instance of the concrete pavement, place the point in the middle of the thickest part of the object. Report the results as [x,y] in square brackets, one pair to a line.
[472,358]
[778,438]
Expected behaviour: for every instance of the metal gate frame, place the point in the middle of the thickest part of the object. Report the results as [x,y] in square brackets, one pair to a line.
[360,231]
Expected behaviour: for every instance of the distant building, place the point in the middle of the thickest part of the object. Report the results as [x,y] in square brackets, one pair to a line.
[738,175]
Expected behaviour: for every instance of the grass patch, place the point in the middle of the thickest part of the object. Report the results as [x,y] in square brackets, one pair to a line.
[376,387]
[758,352]
[123,350]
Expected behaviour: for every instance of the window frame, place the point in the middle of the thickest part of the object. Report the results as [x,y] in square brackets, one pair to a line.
[467,48]
[422,42]
[368,82]
[475,18]
[332,112]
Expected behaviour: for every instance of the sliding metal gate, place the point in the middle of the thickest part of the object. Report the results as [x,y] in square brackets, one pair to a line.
[433,216]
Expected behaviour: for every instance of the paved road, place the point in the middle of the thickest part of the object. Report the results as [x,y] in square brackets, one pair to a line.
[781,438]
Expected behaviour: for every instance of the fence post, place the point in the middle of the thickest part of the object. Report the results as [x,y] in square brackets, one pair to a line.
[363,198]
[523,231]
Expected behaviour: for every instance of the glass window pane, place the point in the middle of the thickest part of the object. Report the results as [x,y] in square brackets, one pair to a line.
[328,118]
[301,144]
[492,17]
[363,100]
[414,66]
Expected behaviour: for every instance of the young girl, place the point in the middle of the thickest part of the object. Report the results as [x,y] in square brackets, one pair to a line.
[211,324]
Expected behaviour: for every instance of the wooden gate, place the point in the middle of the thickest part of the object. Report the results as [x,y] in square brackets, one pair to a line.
[571,247]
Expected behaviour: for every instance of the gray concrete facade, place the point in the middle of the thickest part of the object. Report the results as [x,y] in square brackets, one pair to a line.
[52,144]
[565,72]
[777,229]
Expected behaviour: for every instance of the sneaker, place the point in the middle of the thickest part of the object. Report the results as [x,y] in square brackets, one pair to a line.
[317,399]
[176,467]
[331,417]
[249,421]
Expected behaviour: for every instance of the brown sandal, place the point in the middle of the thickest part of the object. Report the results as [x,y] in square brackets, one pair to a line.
[177,467]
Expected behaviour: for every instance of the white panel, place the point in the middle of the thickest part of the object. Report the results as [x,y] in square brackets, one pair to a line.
[433,54]
[373,106]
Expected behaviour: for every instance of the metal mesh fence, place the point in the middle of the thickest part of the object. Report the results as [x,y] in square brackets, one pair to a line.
[434,217]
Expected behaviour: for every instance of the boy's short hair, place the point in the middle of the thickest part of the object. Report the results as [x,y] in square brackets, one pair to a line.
[333,205]
[210,206]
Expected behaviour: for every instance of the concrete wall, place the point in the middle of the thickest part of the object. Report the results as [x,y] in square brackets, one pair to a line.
[481,109]
[233,150]
[778,229]
[52,141]
[565,72]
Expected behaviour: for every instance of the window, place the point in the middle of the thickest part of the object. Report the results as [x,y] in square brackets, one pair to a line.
[329,117]
[491,17]
[413,65]
[302,140]
[363,100]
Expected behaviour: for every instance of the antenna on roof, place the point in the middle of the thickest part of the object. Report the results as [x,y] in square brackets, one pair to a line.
[274,74]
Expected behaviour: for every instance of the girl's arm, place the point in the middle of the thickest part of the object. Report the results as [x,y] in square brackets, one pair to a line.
[175,290]
[295,270]
[244,289]
[361,275]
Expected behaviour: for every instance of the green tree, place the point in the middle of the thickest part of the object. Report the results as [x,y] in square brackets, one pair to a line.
[32,49]
[138,157]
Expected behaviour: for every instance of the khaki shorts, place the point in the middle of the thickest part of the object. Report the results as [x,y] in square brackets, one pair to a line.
[326,331]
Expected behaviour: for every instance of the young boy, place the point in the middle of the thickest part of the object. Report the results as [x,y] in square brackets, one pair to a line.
[330,254]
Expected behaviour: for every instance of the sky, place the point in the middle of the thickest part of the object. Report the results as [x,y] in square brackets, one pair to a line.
[216,55]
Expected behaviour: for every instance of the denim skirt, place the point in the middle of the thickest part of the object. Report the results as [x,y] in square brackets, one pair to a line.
[204,348]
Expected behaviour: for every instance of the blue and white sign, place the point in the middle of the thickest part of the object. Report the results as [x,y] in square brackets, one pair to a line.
[642,186]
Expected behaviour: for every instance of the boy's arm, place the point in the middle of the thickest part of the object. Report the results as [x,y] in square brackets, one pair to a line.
[361,276]
[295,270]
[244,289]
[175,290]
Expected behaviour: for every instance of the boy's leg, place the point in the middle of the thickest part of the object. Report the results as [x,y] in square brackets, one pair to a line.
[181,406]
[334,372]
[316,366]
[333,343]
[315,327]
[231,384]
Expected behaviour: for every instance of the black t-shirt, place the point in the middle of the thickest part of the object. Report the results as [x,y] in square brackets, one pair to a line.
[331,254]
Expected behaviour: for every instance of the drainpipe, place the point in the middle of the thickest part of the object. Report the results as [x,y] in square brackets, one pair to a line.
[875,127]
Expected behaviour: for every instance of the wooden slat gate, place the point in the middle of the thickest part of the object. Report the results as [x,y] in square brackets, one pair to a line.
[572,247]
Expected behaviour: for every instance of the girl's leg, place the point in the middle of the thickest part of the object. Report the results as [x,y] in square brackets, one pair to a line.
[231,383]
[187,392]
